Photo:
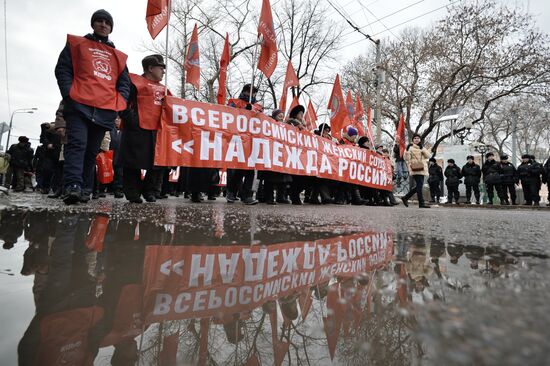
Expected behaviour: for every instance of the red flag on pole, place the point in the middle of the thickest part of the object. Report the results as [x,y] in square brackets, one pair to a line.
[222,80]
[157,16]
[291,79]
[359,110]
[400,135]
[268,56]
[349,106]
[192,61]
[338,113]
[310,118]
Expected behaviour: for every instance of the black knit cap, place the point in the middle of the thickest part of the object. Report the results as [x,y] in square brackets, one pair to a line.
[246,88]
[470,157]
[294,112]
[489,154]
[451,161]
[102,14]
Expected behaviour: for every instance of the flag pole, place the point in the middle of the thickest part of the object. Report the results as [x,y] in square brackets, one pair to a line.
[166,50]
[254,55]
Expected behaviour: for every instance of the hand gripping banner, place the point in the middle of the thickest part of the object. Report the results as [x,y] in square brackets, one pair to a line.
[196,134]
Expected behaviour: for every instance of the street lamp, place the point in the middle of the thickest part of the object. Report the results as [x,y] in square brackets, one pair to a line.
[21,110]
[482,150]
[462,134]
[450,115]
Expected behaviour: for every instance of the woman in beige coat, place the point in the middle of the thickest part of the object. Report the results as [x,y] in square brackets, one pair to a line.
[416,157]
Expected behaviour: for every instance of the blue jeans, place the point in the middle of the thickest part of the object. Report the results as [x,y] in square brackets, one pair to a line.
[83,142]
[419,183]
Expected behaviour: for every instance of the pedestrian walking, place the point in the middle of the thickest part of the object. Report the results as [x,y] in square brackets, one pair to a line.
[94,83]
[140,121]
[508,181]
[491,176]
[435,178]
[416,156]
[21,156]
[240,181]
[452,181]
[472,177]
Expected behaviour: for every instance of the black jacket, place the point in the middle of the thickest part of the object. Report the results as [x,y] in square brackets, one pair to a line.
[64,74]
[491,174]
[530,172]
[453,175]
[508,173]
[435,173]
[21,155]
[546,171]
[471,174]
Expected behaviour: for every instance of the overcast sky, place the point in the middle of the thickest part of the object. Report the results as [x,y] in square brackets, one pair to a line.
[37,33]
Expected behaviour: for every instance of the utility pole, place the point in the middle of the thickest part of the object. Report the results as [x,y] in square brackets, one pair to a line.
[379,82]
[514,137]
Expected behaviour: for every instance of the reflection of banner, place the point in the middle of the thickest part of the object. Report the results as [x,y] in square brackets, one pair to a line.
[184,282]
[199,134]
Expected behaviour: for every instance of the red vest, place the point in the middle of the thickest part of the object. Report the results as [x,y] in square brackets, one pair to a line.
[239,103]
[149,101]
[96,69]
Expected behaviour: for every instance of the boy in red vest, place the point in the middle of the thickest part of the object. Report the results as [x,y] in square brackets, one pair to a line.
[94,83]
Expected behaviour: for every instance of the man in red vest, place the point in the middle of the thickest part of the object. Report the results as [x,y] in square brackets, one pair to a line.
[241,179]
[140,122]
[94,83]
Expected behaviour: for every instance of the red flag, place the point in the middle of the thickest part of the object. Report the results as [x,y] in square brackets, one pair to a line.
[338,113]
[157,16]
[268,56]
[310,118]
[280,348]
[169,351]
[400,135]
[192,61]
[359,110]
[96,234]
[222,80]
[349,106]
[291,79]
[333,321]
[305,302]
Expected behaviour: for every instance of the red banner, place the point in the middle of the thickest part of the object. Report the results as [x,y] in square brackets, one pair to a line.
[196,134]
[183,282]
[157,16]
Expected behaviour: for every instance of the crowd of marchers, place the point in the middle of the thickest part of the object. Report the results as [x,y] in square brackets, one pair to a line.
[106,109]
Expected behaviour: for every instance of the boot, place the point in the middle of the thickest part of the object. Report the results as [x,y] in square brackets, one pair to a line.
[325,195]
[56,194]
[196,197]
[356,199]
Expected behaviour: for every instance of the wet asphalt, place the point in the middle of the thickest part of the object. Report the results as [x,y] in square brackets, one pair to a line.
[461,286]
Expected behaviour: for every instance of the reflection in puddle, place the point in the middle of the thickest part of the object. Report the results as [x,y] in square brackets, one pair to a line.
[117,290]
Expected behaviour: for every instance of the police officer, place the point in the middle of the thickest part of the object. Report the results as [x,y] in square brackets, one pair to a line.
[472,176]
[508,181]
[529,173]
[94,84]
[453,175]
[435,177]
[140,122]
[241,180]
[491,176]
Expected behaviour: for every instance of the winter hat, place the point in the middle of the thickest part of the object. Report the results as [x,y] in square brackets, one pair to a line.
[275,113]
[246,88]
[489,154]
[470,157]
[24,139]
[294,112]
[533,157]
[102,14]
[432,160]
[363,140]
[451,161]
[152,60]
[526,156]
[504,157]
[351,131]
[324,127]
